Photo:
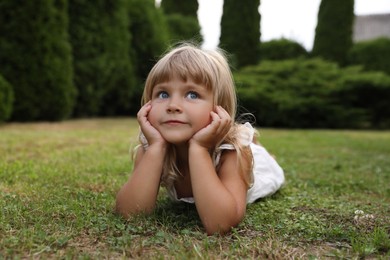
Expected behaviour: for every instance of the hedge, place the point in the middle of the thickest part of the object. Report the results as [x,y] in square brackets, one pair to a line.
[103,72]
[281,49]
[35,58]
[6,99]
[374,55]
[313,93]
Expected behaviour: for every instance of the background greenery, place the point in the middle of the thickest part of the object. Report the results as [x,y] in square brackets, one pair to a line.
[314,93]
[35,58]
[240,31]
[333,34]
[75,58]
[58,183]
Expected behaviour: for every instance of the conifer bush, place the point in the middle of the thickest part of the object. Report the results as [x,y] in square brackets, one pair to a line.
[333,34]
[182,18]
[6,99]
[369,91]
[240,31]
[103,73]
[313,93]
[281,49]
[374,55]
[150,38]
[35,58]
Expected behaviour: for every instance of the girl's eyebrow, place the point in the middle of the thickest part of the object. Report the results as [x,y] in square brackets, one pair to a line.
[165,85]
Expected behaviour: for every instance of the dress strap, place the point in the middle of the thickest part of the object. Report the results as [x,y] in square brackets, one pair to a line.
[245,138]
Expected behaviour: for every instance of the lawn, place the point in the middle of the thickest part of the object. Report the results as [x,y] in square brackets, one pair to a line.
[58,183]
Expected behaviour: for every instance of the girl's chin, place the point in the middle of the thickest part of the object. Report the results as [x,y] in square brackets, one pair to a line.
[177,140]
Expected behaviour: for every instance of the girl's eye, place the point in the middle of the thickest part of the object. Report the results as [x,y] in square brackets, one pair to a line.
[192,95]
[163,95]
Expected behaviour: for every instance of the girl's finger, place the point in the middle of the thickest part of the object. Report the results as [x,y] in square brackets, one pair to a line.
[222,112]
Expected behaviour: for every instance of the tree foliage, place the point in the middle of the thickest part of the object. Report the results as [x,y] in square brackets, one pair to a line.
[333,35]
[313,93]
[281,49]
[182,17]
[103,71]
[148,27]
[6,99]
[240,31]
[183,7]
[374,55]
[150,38]
[35,58]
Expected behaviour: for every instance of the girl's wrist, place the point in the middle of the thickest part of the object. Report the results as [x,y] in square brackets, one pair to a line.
[159,146]
[194,145]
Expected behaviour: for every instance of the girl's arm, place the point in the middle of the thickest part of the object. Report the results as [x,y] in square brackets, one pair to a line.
[139,193]
[220,198]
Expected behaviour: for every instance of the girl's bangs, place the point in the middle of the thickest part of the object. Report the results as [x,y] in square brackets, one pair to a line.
[186,66]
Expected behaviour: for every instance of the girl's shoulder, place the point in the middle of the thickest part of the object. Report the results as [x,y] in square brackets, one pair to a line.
[244,134]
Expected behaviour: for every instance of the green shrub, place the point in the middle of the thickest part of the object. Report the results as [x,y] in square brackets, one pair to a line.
[149,30]
[103,72]
[374,55]
[240,31]
[183,28]
[186,8]
[182,17]
[297,93]
[6,99]
[35,58]
[333,34]
[366,90]
[281,49]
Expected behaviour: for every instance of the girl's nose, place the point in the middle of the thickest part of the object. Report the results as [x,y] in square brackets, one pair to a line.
[174,107]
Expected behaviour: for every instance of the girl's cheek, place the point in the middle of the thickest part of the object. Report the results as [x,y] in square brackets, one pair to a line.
[152,116]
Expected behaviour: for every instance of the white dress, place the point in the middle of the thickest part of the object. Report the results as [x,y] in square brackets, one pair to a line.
[267,175]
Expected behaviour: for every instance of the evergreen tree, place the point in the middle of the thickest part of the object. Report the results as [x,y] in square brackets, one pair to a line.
[333,36]
[6,99]
[149,31]
[103,71]
[240,31]
[182,18]
[183,7]
[35,58]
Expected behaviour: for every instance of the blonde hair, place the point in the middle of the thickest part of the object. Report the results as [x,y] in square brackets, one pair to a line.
[211,69]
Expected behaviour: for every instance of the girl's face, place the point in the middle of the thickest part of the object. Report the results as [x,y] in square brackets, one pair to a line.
[180,109]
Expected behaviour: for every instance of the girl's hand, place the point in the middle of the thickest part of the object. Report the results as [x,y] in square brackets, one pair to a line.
[151,133]
[214,133]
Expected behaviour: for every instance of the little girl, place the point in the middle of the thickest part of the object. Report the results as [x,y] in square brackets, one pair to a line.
[191,145]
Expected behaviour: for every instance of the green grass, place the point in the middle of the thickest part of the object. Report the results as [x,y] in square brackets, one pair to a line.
[58,183]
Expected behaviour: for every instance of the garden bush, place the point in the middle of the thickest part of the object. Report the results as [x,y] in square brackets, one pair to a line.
[182,17]
[35,58]
[149,39]
[374,55]
[103,73]
[333,33]
[369,91]
[6,99]
[183,28]
[281,49]
[312,93]
[240,31]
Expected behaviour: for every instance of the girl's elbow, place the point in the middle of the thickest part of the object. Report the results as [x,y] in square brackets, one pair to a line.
[222,227]
[122,212]
[218,230]
[127,212]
